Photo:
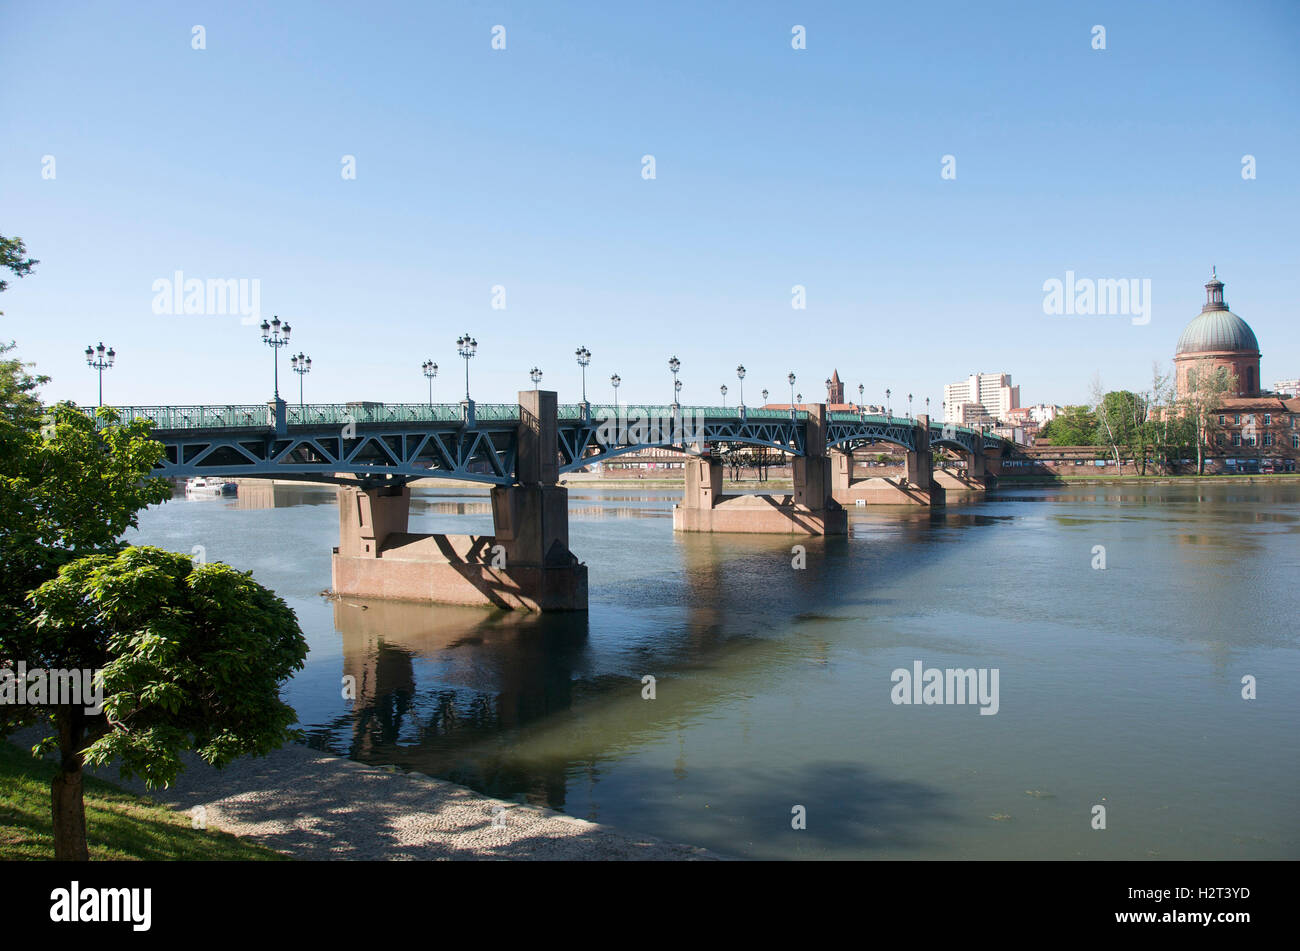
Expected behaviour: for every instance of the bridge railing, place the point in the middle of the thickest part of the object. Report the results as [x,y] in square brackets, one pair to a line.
[571,411]
[340,414]
[195,417]
[260,415]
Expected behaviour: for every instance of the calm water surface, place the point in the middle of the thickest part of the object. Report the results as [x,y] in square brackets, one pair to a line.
[1119,687]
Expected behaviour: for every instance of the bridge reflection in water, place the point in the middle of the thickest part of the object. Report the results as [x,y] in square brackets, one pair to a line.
[438,686]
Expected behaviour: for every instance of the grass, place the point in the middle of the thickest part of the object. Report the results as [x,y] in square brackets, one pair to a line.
[119,825]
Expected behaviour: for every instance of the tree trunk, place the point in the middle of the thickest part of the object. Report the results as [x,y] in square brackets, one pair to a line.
[66,803]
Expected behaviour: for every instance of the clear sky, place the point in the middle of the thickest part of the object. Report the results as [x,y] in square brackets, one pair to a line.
[523,168]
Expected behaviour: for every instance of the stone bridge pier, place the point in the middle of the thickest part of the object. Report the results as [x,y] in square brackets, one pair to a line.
[810,510]
[526,564]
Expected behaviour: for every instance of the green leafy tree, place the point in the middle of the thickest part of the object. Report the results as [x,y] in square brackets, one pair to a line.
[1075,426]
[1121,416]
[1110,419]
[67,490]
[193,657]
[12,258]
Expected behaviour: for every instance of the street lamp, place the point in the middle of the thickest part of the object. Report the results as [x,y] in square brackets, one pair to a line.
[740,374]
[614,381]
[430,370]
[674,365]
[100,359]
[909,405]
[861,397]
[466,346]
[889,409]
[724,395]
[536,376]
[764,397]
[275,335]
[799,398]
[828,389]
[301,366]
[584,358]
[790,380]
[927,407]
[677,391]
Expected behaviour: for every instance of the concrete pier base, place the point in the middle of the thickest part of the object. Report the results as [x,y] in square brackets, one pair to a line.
[891,491]
[459,569]
[957,480]
[761,514]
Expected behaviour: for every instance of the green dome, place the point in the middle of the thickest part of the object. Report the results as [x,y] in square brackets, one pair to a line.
[1217,330]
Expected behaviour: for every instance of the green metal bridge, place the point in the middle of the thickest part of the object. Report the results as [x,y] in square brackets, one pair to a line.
[373,443]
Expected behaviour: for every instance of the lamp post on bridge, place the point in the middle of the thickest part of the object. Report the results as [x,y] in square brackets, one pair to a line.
[302,366]
[536,376]
[430,370]
[614,381]
[909,405]
[275,335]
[98,358]
[467,347]
[790,380]
[799,398]
[723,388]
[765,397]
[740,375]
[889,409]
[584,358]
[675,365]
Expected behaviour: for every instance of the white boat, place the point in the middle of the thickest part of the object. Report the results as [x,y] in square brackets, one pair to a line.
[210,488]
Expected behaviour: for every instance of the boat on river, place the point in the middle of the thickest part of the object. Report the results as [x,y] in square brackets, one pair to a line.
[203,488]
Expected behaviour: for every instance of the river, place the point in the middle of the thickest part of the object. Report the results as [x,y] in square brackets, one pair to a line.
[773,685]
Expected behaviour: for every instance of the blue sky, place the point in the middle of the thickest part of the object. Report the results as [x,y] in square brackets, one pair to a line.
[522,168]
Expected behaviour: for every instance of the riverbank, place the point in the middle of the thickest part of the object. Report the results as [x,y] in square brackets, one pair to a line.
[1034,480]
[311,805]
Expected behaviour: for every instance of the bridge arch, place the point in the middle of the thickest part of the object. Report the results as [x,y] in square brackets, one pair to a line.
[691,449]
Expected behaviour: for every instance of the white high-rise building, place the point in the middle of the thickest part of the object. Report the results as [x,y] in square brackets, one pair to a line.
[980,394]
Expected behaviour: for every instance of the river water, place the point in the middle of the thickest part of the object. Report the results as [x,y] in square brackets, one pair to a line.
[1118,687]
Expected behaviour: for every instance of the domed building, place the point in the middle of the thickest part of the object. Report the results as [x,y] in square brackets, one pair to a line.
[1219,338]
[1252,429]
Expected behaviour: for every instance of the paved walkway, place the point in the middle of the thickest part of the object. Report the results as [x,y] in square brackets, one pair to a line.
[315,806]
